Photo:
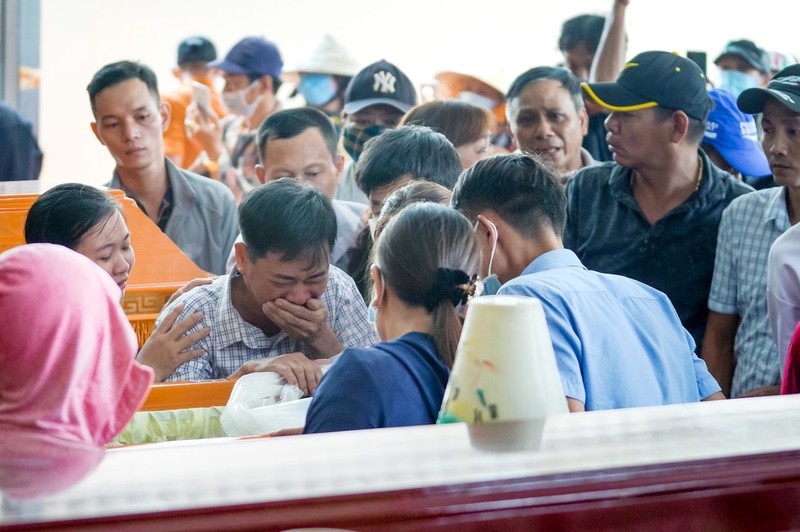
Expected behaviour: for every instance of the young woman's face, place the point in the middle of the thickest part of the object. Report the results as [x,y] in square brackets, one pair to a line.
[472,152]
[109,245]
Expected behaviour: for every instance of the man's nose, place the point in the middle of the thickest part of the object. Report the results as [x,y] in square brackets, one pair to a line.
[298,295]
[131,130]
[776,145]
[611,122]
[543,128]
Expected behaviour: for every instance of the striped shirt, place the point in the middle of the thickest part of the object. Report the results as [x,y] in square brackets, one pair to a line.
[233,341]
[748,228]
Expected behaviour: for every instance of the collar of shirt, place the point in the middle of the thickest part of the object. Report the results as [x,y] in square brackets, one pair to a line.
[230,328]
[179,194]
[164,209]
[620,183]
[557,258]
[776,211]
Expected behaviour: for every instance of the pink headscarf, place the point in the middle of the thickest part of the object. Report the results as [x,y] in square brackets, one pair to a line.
[69,381]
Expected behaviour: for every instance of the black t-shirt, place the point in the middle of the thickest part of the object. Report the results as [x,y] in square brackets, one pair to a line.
[595,140]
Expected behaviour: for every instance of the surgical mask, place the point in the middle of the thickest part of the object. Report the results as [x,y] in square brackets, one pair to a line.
[736,82]
[491,283]
[236,102]
[372,311]
[477,99]
[317,89]
[354,138]
[372,223]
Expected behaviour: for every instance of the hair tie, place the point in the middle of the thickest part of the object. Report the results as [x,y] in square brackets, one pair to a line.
[453,285]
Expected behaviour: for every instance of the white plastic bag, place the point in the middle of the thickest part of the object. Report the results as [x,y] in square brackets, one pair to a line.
[261,403]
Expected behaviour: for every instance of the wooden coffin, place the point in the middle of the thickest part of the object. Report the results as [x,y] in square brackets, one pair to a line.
[160,269]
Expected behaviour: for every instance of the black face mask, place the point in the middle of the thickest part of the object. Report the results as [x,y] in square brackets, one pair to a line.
[354,138]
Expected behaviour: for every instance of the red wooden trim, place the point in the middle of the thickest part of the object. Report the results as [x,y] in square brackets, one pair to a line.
[734,493]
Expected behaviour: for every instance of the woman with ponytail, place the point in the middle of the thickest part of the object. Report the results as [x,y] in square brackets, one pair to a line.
[425,264]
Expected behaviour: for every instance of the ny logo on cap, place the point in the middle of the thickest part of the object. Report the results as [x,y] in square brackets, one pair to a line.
[383,82]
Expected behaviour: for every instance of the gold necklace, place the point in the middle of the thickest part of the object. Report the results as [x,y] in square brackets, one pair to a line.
[697,180]
[699,173]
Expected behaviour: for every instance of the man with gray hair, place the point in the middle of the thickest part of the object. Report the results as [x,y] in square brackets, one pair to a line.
[547,118]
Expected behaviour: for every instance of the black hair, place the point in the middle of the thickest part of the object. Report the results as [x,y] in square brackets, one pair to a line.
[586,29]
[290,218]
[567,79]
[66,213]
[414,192]
[289,123]
[416,245]
[116,73]
[255,76]
[522,190]
[417,152]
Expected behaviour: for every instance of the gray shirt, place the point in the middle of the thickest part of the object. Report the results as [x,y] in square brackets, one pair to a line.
[204,222]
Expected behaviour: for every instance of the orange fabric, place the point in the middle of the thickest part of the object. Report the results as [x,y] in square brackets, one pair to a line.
[177,146]
[177,395]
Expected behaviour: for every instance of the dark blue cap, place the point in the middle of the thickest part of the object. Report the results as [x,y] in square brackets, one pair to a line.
[252,55]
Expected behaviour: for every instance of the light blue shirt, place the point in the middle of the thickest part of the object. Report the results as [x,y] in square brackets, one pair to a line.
[618,343]
[749,226]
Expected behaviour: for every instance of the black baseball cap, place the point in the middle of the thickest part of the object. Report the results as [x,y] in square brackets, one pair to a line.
[784,88]
[655,78]
[747,50]
[379,83]
[196,48]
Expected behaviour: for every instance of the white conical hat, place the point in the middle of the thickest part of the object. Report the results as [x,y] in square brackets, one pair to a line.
[329,57]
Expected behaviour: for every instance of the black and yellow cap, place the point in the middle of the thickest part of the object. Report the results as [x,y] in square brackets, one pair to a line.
[655,78]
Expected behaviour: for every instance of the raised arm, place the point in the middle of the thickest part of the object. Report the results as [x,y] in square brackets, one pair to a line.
[610,55]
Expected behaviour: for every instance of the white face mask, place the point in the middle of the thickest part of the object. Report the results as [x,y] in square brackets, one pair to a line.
[372,223]
[491,283]
[236,102]
[372,310]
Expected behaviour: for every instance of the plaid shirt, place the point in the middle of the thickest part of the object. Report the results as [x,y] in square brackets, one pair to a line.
[748,228]
[233,341]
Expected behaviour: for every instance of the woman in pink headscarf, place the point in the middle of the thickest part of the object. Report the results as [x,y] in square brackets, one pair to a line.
[69,381]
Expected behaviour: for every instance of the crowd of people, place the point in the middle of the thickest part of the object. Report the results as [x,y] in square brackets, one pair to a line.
[352,230]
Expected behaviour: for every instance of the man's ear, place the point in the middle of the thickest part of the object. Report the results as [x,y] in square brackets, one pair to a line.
[377,286]
[165,110]
[583,117]
[261,173]
[267,83]
[241,256]
[680,126]
[488,228]
[93,125]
